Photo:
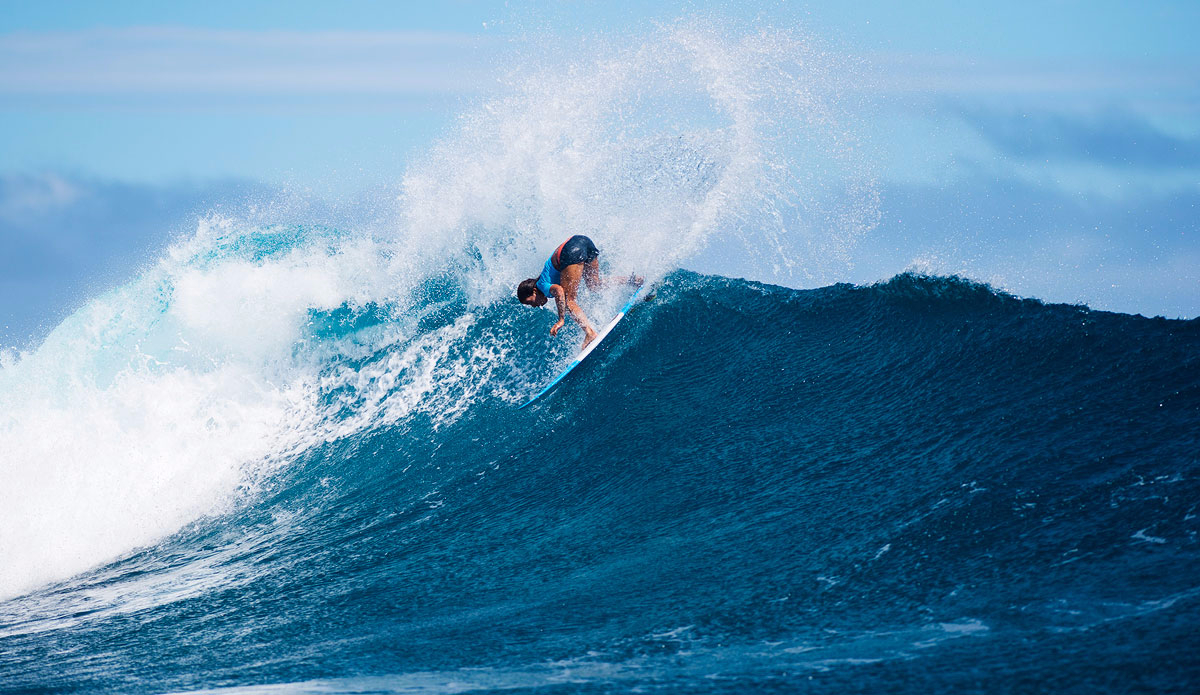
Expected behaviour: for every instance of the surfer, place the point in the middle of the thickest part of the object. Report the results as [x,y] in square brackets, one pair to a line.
[574,260]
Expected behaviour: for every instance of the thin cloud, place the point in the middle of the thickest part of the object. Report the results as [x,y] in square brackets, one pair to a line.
[961,75]
[1111,138]
[1133,254]
[63,237]
[170,60]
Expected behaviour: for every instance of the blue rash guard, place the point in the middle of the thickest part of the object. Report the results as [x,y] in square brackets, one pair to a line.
[550,276]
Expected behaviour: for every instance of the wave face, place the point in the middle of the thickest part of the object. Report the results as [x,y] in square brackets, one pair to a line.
[919,484]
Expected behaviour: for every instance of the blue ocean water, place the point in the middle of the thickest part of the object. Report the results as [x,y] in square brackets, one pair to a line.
[921,485]
[287,456]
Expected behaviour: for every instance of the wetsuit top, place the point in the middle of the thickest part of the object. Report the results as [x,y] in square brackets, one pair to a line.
[550,276]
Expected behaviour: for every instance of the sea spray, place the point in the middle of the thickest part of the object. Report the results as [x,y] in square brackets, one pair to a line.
[169,399]
[651,149]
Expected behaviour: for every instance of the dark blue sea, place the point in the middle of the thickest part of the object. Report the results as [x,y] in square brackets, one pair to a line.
[922,485]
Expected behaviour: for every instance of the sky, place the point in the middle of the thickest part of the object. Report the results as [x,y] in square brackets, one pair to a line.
[1051,148]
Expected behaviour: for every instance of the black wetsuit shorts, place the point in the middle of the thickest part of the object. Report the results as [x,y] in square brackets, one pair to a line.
[577,249]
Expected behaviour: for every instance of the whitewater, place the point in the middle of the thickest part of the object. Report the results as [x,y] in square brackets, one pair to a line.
[287,456]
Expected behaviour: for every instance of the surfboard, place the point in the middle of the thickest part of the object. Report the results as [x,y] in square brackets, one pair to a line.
[642,291]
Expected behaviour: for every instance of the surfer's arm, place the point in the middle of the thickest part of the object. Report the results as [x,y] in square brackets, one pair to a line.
[559,303]
[579,316]
[589,333]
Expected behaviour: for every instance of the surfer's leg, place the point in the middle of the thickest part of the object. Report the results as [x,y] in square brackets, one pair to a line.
[570,284]
[580,249]
[591,275]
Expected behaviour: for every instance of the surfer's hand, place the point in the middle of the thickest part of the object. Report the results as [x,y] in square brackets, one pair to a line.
[555,327]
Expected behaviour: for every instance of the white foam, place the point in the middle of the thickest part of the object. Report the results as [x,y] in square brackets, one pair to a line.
[164,400]
[139,414]
[167,400]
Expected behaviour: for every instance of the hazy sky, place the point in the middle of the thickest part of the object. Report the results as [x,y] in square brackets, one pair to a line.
[151,91]
[1052,148]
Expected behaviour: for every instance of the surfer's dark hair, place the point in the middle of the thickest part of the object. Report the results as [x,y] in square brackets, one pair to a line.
[525,289]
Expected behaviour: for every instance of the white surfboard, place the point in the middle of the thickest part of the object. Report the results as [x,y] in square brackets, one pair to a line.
[591,346]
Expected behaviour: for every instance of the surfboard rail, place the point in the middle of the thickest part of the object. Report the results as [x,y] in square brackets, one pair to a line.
[641,291]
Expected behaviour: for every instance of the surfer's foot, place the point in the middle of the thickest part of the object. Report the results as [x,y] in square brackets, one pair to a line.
[588,336]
